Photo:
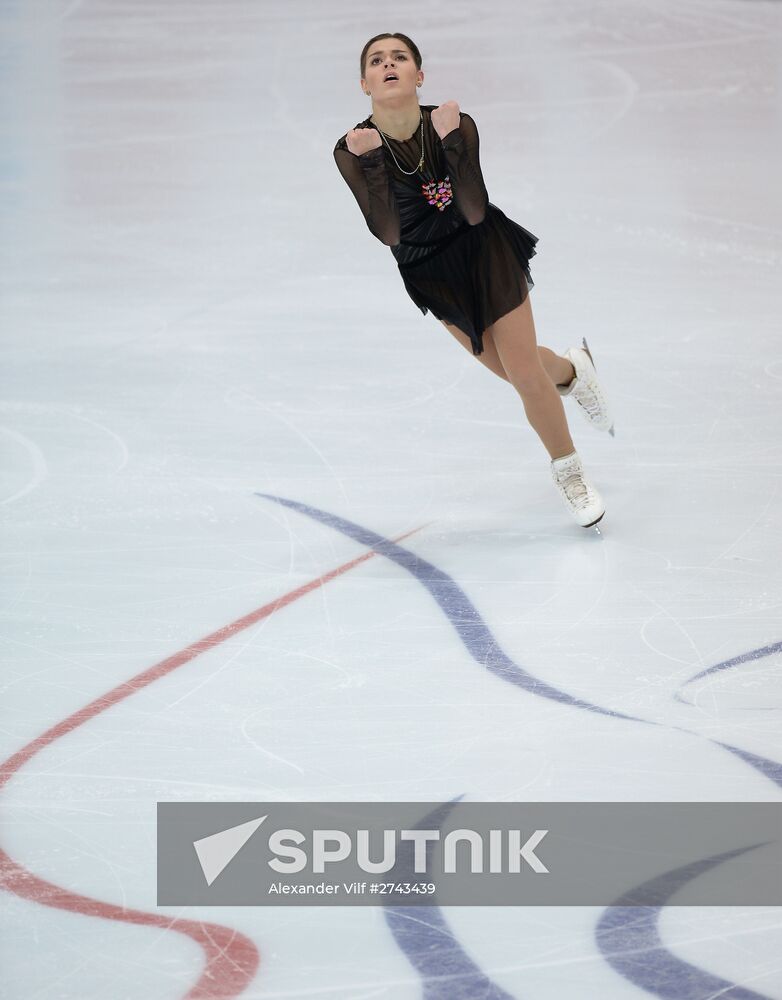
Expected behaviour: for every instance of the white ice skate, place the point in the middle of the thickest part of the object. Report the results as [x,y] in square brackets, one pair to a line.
[587,390]
[581,498]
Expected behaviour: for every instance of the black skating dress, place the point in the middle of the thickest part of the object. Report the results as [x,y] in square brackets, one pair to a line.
[459,256]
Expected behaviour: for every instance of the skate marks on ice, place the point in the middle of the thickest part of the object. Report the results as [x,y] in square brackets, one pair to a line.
[35,458]
[628,938]
[476,635]
[627,935]
[39,469]
[423,936]
[768,768]
[231,958]
[457,608]
[734,661]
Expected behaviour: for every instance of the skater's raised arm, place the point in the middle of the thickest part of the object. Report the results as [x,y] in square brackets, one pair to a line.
[368,178]
[460,148]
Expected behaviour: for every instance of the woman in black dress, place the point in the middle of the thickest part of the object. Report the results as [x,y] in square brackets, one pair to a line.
[415,173]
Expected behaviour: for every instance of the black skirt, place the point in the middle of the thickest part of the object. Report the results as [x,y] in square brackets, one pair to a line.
[474,275]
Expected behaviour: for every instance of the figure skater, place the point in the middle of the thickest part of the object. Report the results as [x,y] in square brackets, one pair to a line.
[415,173]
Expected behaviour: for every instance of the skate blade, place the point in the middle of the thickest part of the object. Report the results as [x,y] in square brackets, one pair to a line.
[611,431]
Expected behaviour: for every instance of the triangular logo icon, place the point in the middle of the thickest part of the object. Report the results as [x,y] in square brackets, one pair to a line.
[219,849]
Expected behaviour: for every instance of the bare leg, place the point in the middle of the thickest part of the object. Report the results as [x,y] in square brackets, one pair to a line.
[559,443]
[489,357]
[558,369]
[513,336]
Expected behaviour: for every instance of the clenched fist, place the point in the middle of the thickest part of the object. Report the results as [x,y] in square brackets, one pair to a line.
[361,140]
[446,118]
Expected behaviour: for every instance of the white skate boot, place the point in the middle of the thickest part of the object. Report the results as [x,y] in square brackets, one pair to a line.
[586,389]
[582,499]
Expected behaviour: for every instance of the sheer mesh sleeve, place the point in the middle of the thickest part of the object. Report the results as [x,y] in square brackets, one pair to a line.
[460,149]
[368,178]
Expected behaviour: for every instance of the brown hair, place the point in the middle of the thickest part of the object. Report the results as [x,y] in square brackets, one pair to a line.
[391,34]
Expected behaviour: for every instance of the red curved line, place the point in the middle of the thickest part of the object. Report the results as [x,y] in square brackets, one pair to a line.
[231,958]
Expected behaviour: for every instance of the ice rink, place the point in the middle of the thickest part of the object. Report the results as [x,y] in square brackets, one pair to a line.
[269,531]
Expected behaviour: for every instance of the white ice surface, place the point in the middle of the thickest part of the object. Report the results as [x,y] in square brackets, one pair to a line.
[193,311]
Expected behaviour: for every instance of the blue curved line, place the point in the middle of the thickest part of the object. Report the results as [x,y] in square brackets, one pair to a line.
[770,769]
[628,938]
[735,661]
[422,934]
[458,609]
[474,633]
[427,941]
[446,971]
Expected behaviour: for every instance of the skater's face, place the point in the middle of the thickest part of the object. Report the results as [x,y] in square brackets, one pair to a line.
[386,57]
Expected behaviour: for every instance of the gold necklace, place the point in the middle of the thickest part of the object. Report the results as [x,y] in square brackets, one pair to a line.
[415,170]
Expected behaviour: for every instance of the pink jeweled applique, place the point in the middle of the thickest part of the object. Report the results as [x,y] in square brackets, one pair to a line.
[438,193]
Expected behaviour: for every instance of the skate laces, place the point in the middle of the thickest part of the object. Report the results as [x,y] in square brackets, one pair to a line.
[586,394]
[592,406]
[574,488]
